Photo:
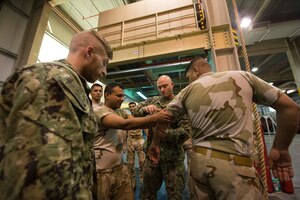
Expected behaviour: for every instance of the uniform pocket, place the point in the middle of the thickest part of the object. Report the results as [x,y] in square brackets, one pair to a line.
[245,171]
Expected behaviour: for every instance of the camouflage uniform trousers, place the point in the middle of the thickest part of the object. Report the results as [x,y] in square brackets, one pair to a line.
[114,184]
[171,171]
[213,178]
[135,145]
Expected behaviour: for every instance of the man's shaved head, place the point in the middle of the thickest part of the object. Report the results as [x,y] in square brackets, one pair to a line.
[90,38]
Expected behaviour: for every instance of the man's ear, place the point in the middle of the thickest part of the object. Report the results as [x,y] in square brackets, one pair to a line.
[195,69]
[106,95]
[89,51]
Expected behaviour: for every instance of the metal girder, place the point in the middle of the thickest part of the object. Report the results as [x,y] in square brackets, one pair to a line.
[277,77]
[186,43]
[266,47]
[294,59]
[223,49]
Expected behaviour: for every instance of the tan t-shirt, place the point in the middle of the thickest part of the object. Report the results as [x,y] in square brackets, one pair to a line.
[107,145]
[219,106]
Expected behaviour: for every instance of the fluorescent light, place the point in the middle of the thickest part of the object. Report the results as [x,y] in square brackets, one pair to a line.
[141,95]
[254,69]
[290,91]
[245,22]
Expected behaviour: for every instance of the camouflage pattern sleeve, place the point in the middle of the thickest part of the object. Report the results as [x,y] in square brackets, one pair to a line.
[138,112]
[122,113]
[47,126]
[179,131]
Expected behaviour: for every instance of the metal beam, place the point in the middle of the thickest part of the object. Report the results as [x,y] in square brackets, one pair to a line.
[148,68]
[151,78]
[223,50]
[266,47]
[276,77]
[262,8]
[8,53]
[182,44]
[266,60]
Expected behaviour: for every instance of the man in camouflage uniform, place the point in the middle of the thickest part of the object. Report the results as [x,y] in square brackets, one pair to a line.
[47,125]
[220,109]
[135,143]
[171,166]
[112,175]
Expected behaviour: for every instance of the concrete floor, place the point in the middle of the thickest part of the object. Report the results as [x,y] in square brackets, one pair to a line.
[295,153]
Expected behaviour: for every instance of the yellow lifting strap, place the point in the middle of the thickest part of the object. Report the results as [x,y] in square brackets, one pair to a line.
[257,131]
[200,15]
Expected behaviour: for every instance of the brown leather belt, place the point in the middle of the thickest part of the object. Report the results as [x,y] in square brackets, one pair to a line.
[239,160]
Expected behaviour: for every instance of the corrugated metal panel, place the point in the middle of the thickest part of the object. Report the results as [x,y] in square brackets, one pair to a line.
[6,66]
[12,30]
[86,12]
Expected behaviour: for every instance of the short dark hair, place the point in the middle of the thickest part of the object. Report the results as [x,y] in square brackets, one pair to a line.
[110,87]
[96,84]
[191,64]
[132,102]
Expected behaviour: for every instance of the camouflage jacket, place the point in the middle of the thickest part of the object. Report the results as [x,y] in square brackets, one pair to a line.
[220,109]
[177,133]
[46,131]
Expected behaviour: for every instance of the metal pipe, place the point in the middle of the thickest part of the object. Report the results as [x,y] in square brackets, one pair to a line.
[149,67]
[65,19]
[261,10]
[80,14]
[265,35]
[294,32]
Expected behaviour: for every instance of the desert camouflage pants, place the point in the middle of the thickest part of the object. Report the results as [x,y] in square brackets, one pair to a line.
[172,172]
[114,184]
[213,178]
[135,145]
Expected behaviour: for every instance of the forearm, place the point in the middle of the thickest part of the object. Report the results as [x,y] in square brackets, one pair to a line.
[287,126]
[139,112]
[160,133]
[140,122]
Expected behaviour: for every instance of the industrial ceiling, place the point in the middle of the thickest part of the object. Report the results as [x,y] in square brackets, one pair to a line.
[275,22]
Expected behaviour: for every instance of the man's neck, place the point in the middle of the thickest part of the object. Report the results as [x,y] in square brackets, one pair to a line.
[108,105]
[94,101]
[170,98]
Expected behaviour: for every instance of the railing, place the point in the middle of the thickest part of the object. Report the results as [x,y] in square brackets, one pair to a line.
[151,27]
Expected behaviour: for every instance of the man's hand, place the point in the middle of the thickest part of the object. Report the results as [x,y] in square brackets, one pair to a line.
[151,109]
[281,165]
[153,153]
[163,116]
